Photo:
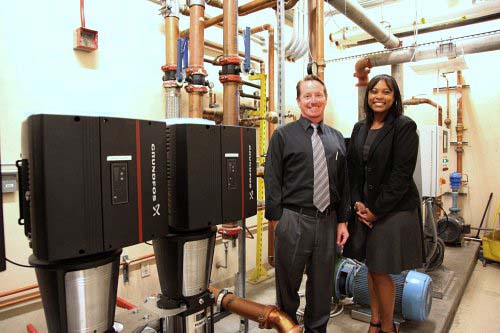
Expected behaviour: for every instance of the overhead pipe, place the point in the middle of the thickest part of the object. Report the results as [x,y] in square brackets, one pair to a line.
[483,43]
[356,13]
[248,8]
[417,101]
[268,316]
[460,125]
[196,72]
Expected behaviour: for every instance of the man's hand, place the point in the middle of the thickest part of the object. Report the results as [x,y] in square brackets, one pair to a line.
[342,234]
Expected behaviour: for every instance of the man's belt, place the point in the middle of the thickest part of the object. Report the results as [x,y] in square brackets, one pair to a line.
[311,212]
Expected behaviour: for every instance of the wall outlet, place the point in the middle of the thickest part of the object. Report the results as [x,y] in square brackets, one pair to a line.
[145,270]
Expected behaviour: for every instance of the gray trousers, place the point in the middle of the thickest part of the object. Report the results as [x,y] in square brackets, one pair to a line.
[303,242]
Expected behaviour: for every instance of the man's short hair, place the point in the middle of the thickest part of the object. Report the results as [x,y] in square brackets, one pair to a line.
[311,77]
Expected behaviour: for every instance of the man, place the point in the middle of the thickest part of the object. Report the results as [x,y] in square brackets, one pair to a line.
[307,190]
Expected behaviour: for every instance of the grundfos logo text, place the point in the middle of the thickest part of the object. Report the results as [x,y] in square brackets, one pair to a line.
[250,188]
[156,207]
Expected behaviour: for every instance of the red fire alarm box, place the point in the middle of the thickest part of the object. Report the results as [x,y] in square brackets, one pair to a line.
[85,39]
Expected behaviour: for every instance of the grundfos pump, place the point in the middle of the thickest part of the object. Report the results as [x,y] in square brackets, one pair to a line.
[451,228]
[93,185]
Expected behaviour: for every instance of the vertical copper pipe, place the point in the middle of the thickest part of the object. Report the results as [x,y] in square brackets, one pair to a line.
[447,121]
[268,316]
[197,36]
[171,36]
[320,38]
[230,50]
[311,9]
[196,42]
[195,105]
[460,126]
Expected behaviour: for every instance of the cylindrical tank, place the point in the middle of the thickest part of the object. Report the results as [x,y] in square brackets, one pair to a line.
[79,295]
[413,289]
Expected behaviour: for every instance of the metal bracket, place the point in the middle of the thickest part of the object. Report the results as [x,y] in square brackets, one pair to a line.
[126,265]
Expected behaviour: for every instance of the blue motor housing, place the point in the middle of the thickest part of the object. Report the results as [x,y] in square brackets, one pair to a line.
[413,289]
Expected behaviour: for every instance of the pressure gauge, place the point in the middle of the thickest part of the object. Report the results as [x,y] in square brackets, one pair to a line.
[312,68]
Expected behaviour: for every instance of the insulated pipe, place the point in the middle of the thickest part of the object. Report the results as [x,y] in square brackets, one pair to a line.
[268,316]
[417,101]
[477,45]
[398,74]
[460,125]
[356,13]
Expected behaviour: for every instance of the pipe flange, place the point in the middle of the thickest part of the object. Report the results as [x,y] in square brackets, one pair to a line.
[196,71]
[230,78]
[167,68]
[229,61]
[192,3]
[220,297]
[196,88]
[170,84]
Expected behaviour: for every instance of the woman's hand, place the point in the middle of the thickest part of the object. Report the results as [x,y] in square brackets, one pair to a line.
[359,206]
[367,217]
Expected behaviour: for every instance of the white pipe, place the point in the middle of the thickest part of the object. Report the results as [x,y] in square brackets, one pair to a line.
[469,46]
[305,35]
[353,10]
[291,44]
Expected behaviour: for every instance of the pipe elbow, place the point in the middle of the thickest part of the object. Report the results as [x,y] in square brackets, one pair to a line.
[281,322]
[361,71]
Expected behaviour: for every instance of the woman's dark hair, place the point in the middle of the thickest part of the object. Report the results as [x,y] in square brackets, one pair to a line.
[396,108]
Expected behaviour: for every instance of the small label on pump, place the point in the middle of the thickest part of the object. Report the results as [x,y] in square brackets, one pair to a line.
[200,319]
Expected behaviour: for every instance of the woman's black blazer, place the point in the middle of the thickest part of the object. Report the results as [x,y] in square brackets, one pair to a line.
[389,168]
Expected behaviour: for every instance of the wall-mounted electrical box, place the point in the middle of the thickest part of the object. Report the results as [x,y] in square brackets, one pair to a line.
[434,160]
[85,39]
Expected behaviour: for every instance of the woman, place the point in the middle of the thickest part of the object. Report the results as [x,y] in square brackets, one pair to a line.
[381,158]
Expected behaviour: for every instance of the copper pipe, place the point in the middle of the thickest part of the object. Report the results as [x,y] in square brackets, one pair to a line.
[460,125]
[195,105]
[242,10]
[19,290]
[268,316]
[320,38]
[20,300]
[311,14]
[171,36]
[218,47]
[197,36]
[417,101]
[215,3]
[361,71]
[447,121]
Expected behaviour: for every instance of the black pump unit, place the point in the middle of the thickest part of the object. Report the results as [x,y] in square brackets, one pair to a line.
[452,228]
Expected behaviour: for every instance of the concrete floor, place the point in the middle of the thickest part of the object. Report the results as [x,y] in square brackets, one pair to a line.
[478,310]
